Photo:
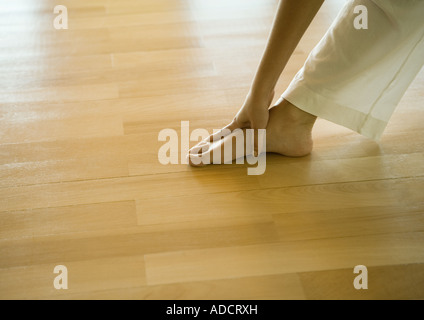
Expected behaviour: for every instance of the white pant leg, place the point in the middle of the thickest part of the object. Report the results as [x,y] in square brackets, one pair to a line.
[356,78]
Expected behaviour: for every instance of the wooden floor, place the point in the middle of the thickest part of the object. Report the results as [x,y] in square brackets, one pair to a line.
[81,184]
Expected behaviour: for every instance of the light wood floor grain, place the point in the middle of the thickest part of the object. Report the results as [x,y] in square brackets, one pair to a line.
[81,184]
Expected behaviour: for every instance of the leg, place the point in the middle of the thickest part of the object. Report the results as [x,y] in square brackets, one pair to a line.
[356,78]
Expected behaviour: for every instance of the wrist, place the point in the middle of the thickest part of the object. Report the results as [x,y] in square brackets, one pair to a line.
[261,97]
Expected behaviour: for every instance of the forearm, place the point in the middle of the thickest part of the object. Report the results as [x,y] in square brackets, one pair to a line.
[292,19]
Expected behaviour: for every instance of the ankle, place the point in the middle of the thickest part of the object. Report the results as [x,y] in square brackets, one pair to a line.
[298,116]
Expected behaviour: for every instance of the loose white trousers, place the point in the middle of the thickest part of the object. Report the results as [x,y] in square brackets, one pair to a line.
[356,77]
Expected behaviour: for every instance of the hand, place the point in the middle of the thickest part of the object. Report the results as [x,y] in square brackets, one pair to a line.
[254,114]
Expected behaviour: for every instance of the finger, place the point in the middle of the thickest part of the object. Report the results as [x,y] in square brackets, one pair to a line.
[195,160]
[223,132]
[199,149]
[200,144]
[200,156]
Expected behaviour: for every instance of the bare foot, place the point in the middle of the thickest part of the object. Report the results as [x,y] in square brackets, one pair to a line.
[289,130]
[288,133]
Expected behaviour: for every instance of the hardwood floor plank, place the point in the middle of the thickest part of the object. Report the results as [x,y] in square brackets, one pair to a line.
[102,244]
[282,258]
[67,220]
[51,171]
[276,287]
[73,93]
[158,186]
[36,281]
[350,222]
[397,282]
[59,129]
